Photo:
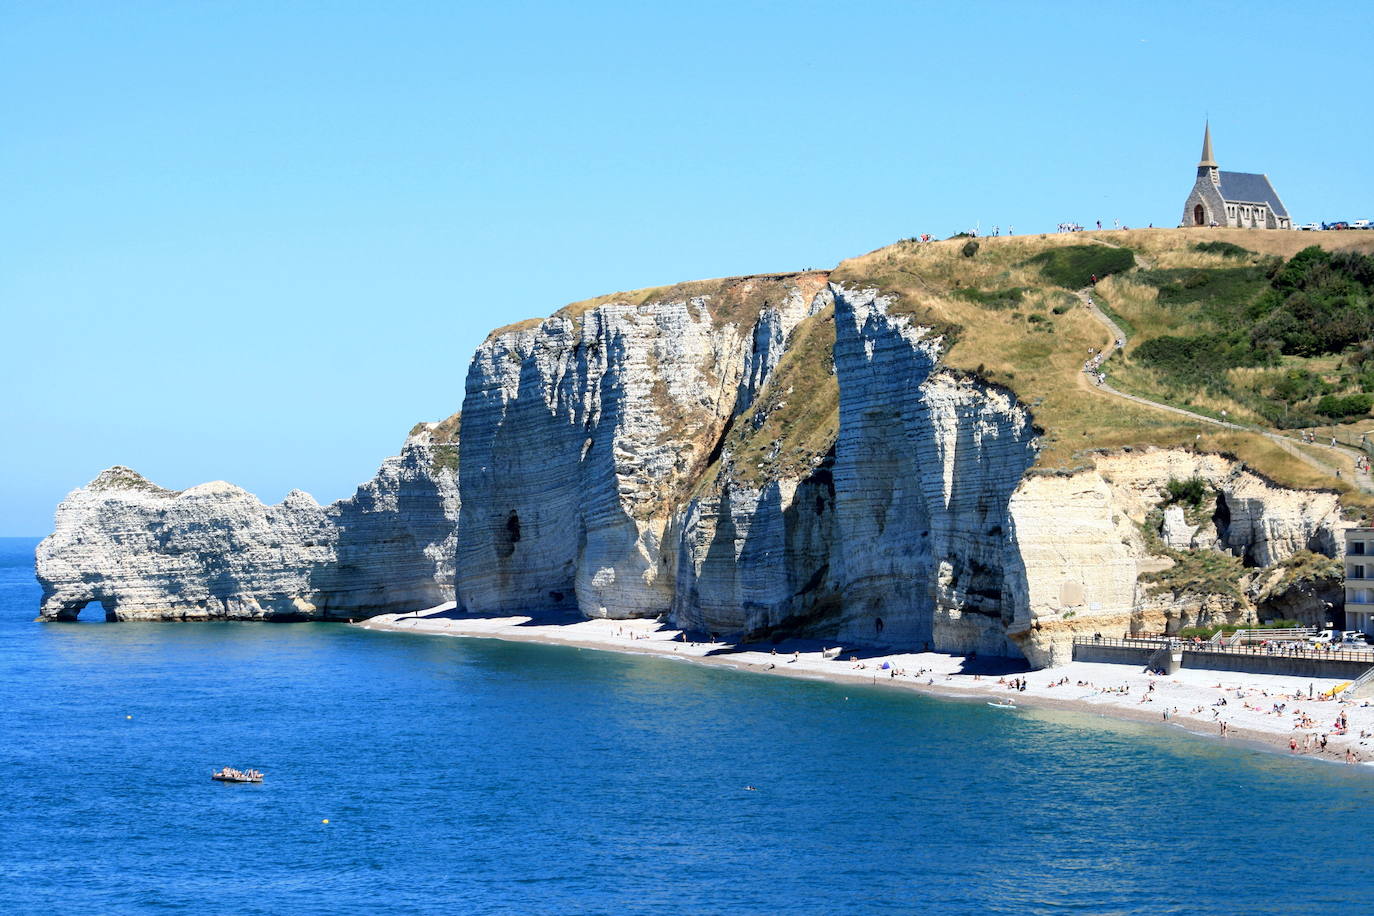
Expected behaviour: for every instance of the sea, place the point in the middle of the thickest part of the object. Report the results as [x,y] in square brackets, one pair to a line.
[421,774]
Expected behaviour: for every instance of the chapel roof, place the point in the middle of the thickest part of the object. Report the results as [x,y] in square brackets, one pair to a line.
[1251,188]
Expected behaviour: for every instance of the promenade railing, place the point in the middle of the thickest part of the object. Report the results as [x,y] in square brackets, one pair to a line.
[1269,635]
[1274,650]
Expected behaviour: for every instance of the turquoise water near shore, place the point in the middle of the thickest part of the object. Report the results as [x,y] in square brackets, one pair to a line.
[474,776]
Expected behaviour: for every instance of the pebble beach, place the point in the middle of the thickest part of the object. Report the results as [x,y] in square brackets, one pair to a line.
[1292,715]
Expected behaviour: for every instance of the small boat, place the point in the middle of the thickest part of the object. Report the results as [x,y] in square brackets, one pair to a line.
[1006,705]
[229,774]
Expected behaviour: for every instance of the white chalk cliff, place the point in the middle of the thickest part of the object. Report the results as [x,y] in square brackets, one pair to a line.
[583,433]
[755,456]
[215,551]
[600,473]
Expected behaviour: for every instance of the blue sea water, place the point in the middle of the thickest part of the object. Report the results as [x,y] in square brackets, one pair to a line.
[474,776]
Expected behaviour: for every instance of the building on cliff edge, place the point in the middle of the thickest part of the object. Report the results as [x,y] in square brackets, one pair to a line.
[1238,200]
[1359,579]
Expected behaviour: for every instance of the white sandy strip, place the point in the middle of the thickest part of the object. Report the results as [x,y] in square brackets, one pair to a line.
[1120,691]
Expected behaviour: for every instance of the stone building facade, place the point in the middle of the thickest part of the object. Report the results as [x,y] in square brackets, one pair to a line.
[1239,200]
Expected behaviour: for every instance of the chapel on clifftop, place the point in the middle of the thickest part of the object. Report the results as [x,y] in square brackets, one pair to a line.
[1240,200]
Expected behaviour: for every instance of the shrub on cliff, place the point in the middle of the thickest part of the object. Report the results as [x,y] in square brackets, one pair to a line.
[1318,303]
[1074,266]
[1200,361]
[1225,249]
[1340,406]
[1191,491]
[995,298]
[970,248]
[1197,572]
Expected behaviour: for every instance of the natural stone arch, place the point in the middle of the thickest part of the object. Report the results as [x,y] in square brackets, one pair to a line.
[71,612]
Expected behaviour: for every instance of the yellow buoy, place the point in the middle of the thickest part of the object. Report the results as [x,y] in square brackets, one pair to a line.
[128,717]
[325,821]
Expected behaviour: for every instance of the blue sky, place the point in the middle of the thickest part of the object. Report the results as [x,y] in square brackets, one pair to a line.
[257,241]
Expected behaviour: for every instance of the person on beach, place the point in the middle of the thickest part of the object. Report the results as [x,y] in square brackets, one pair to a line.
[1293,745]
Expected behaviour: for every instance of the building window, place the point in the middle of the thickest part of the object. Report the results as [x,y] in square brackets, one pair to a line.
[1357,571]
[1357,548]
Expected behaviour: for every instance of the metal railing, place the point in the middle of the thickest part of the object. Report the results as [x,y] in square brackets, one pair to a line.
[1292,633]
[1354,687]
[1276,650]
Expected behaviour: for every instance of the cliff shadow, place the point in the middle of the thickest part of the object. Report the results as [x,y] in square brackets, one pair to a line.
[379,562]
[984,665]
[537,618]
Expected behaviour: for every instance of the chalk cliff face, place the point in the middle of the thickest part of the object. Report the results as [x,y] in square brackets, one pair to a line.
[1080,542]
[638,459]
[926,463]
[897,532]
[215,551]
[756,456]
[582,434]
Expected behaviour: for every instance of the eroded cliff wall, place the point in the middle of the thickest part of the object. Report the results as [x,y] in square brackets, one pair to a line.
[1084,548]
[760,456]
[583,433]
[215,551]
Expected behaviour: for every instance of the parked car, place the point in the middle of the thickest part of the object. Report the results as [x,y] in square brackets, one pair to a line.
[1311,227]
[1354,638]
[1360,224]
[1324,637]
[1337,225]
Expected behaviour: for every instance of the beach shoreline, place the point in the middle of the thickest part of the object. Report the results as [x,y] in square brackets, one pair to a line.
[1260,710]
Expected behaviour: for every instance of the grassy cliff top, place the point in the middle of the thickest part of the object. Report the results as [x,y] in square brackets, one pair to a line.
[728,299]
[445,431]
[1009,312]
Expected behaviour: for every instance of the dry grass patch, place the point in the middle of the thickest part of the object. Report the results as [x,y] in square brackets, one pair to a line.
[1161,245]
[729,300]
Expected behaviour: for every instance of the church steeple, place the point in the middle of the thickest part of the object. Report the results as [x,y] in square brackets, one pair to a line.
[1207,167]
[1207,159]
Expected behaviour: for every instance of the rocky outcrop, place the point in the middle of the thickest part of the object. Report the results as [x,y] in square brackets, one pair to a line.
[898,532]
[583,434]
[1081,539]
[216,552]
[757,559]
[926,462]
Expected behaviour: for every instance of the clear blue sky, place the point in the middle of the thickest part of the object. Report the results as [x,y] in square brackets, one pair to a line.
[257,241]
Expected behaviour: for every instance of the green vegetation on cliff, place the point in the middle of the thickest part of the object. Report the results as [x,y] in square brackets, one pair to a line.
[1193,301]
[1283,343]
[796,418]
[1075,266]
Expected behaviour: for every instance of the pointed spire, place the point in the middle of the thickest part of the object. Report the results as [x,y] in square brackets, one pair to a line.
[1207,160]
